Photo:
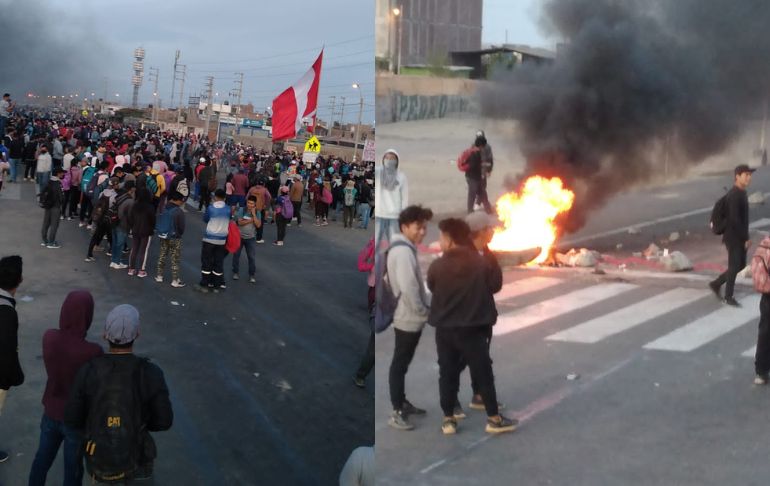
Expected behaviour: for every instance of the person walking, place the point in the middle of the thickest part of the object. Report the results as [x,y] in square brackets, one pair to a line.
[170,228]
[142,221]
[65,350]
[412,310]
[462,284]
[109,393]
[248,221]
[284,211]
[736,234]
[11,373]
[103,223]
[217,219]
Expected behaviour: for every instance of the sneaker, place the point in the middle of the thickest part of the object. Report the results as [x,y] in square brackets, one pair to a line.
[131,272]
[159,278]
[278,243]
[731,301]
[761,380]
[317,223]
[223,286]
[260,241]
[118,266]
[69,218]
[235,276]
[108,253]
[252,280]
[89,227]
[141,274]
[715,288]
[449,426]
[61,218]
[288,224]
[501,425]
[458,412]
[399,421]
[178,284]
[409,409]
[325,223]
[4,456]
[359,382]
[54,245]
[90,259]
[43,243]
[81,224]
[477,403]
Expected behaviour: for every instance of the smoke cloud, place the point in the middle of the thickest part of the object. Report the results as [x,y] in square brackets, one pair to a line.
[635,76]
[47,51]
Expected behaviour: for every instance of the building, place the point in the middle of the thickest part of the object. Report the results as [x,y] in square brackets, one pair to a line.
[429,29]
[486,62]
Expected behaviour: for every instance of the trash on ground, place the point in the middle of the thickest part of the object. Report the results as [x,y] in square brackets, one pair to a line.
[676,262]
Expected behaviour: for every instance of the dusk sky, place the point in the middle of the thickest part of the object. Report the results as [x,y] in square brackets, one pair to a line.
[520,17]
[272,43]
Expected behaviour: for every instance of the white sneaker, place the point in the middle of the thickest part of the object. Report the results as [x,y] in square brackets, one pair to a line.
[118,266]
[159,279]
[80,225]
[178,284]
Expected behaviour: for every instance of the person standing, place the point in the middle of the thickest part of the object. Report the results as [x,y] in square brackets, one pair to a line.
[412,310]
[479,167]
[248,221]
[109,391]
[43,168]
[170,228]
[462,284]
[296,193]
[11,373]
[217,219]
[6,108]
[124,201]
[263,199]
[365,202]
[142,221]
[736,235]
[15,144]
[284,211]
[52,200]
[207,181]
[392,196]
[65,350]
[349,196]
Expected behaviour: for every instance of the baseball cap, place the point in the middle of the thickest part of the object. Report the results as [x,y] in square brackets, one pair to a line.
[122,325]
[479,220]
[743,168]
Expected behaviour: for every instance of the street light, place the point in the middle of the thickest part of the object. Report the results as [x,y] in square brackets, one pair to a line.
[399,24]
[358,127]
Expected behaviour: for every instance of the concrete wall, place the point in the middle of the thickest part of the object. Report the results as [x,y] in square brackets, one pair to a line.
[407,98]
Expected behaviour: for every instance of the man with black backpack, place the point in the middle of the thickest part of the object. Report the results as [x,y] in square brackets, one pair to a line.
[52,200]
[731,219]
[103,214]
[117,400]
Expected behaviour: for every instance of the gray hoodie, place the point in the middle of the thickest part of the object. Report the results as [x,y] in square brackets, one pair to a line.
[406,281]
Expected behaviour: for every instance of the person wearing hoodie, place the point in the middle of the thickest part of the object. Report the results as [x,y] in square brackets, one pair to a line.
[391,192]
[11,373]
[43,168]
[479,168]
[75,176]
[217,219]
[65,350]
[142,222]
[102,220]
[52,199]
[412,310]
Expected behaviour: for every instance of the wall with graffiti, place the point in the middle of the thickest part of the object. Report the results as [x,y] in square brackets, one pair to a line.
[408,98]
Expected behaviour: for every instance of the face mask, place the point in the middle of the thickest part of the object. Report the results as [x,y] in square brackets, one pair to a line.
[391,163]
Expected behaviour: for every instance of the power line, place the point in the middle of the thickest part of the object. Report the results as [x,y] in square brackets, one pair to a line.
[370,52]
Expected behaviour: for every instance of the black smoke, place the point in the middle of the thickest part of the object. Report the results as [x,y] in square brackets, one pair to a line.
[634,77]
[47,50]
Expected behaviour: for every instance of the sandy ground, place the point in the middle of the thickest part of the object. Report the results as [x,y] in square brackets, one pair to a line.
[428,150]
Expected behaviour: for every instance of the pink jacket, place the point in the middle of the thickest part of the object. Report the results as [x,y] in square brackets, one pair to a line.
[366,261]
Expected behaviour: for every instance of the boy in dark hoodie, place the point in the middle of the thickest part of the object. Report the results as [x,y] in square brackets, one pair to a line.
[65,350]
[10,369]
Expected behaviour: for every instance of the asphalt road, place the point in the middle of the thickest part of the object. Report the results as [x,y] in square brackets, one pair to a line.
[260,375]
[663,393]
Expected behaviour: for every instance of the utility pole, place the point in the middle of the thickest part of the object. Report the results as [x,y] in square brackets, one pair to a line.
[182,73]
[358,127]
[173,80]
[154,79]
[209,107]
[332,102]
[237,93]
[342,111]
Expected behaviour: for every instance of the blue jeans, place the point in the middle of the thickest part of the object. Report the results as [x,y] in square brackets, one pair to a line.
[118,242]
[363,212]
[41,178]
[52,433]
[251,254]
[14,163]
[384,231]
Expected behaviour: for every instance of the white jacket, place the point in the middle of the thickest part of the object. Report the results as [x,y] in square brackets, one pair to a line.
[390,203]
[44,163]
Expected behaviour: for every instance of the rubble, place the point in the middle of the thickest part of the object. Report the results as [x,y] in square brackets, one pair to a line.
[676,262]
[673,236]
[757,198]
[652,251]
[579,258]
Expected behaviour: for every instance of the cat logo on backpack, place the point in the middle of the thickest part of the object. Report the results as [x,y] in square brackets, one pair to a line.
[113,422]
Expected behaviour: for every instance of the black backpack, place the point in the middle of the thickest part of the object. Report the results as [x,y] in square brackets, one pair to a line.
[114,427]
[718,221]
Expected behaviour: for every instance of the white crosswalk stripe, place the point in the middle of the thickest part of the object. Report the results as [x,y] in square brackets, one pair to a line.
[628,317]
[709,327]
[549,309]
[526,286]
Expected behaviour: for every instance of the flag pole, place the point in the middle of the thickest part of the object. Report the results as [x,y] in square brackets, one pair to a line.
[315,118]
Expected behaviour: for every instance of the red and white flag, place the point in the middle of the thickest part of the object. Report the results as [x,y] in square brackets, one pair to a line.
[298,102]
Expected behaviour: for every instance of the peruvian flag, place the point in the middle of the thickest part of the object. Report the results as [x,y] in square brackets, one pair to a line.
[298,102]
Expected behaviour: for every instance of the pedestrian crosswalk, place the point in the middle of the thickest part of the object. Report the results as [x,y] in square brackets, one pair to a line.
[606,312]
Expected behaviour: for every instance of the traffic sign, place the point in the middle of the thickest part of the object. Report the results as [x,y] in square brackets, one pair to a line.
[313,145]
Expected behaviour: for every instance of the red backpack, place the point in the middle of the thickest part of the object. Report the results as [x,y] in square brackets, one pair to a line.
[463,163]
[760,267]
[233,241]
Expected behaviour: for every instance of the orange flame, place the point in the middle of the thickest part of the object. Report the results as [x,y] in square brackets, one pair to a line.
[528,217]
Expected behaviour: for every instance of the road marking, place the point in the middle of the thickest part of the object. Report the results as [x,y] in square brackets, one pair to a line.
[628,317]
[525,286]
[624,229]
[709,327]
[750,353]
[548,309]
[760,223]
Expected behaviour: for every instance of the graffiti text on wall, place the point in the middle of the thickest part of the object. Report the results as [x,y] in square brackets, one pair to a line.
[418,107]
